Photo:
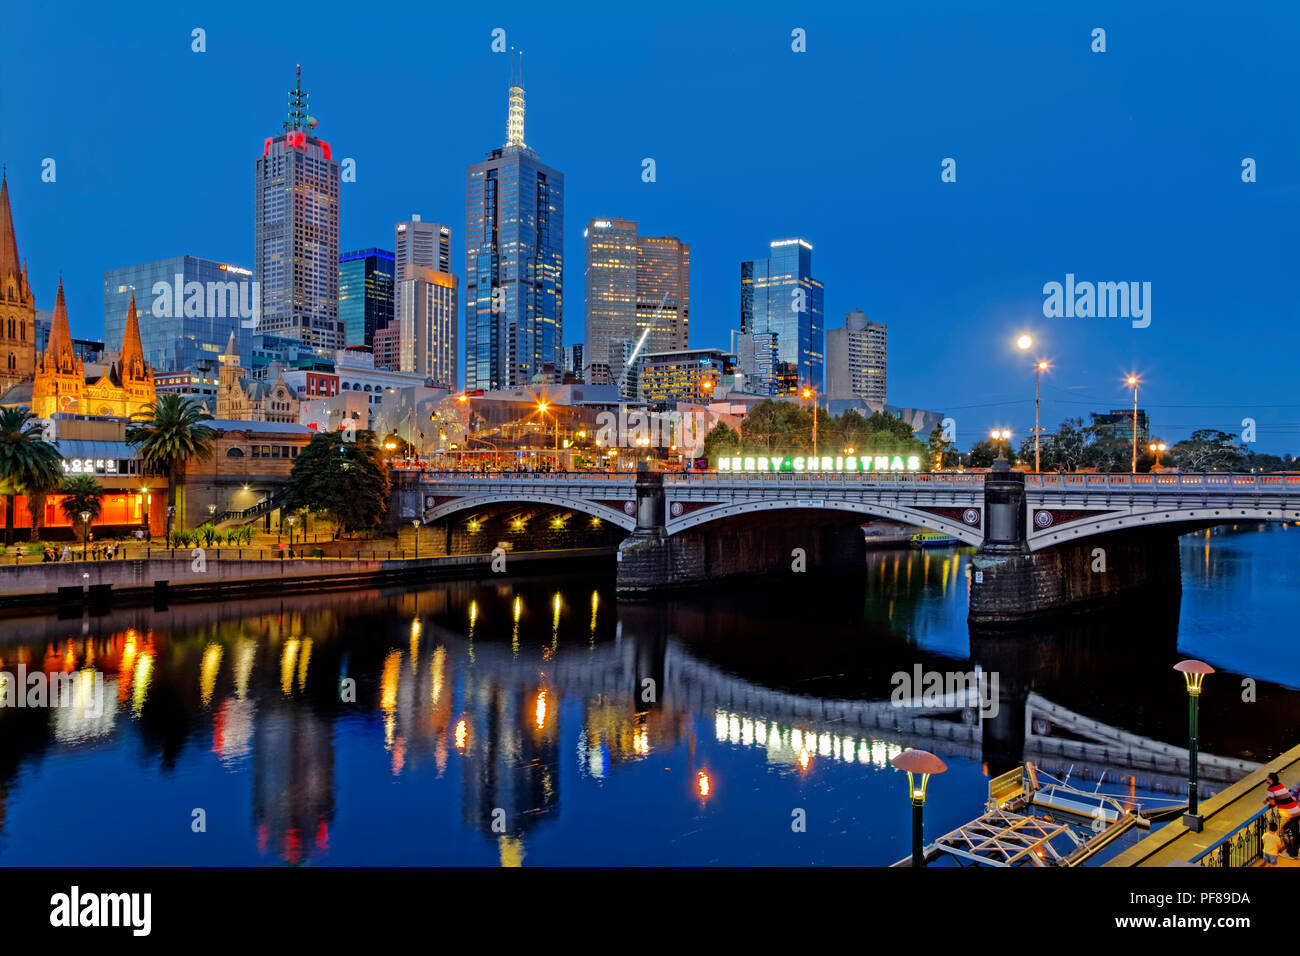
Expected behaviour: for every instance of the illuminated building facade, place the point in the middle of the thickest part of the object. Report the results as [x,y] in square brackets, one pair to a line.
[188,308]
[296,232]
[17,304]
[514,264]
[856,359]
[638,292]
[780,297]
[687,375]
[430,316]
[365,294]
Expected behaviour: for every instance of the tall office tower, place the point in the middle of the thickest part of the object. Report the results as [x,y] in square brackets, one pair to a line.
[365,294]
[296,232]
[17,304]
[430,316]
[779,296]
[514,263]
[856,359]
[638,291]
[188,308]
[424,245]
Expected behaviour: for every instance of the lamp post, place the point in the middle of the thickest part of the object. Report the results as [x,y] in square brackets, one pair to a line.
[1002,435]
[415,526]
[1193,672]
[292,519]
[1156,448]
[1133,380]
[812,393]
[924,763]
[85,532]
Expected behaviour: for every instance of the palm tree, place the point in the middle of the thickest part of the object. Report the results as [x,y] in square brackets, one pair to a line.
[171,433]
[37,488]
[28,463]
[82,494]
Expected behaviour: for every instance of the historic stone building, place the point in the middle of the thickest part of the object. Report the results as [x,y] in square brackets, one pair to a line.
[247,400]
[122,388]
[17,304]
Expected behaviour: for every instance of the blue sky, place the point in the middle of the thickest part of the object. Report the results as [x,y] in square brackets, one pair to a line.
[1115,166]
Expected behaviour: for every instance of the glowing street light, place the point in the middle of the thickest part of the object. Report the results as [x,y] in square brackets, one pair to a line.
[85,532]
[415,526]
[923,764]
[1132,380]
[1193,672]
[810,392]
[1024,343]
[1156,447]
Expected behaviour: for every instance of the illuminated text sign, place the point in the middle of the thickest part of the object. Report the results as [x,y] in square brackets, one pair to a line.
[762,463]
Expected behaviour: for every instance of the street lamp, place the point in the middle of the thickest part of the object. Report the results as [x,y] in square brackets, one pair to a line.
[1024,343]
[1002,435]
[415,525]
[1193,672]
[807,394]
[1133,381]
[923,763]
[1156,448]
[292,519]
[85,532]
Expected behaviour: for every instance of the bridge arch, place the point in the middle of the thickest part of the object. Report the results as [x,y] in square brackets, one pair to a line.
[1129,519]
[604,512]
[967,534]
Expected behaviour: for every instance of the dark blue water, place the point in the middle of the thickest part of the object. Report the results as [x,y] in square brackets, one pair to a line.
[509,721]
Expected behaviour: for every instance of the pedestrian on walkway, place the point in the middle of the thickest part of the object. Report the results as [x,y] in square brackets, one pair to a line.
[1272,843]
[1289,809]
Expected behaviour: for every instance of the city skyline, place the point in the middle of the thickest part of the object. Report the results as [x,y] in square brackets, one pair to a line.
[938,277]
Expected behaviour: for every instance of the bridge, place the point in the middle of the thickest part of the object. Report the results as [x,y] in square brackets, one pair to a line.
[1046,541]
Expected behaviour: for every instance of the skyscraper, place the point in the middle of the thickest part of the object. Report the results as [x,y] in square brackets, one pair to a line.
[365,294]
[638,291]
[419,244]
[428,342]
[856,359]
[296,232]
[780,297]
[188,307]
[514,263]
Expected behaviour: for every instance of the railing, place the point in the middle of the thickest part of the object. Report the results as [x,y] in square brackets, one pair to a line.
[1243,846]
[1207,481]
[268,503]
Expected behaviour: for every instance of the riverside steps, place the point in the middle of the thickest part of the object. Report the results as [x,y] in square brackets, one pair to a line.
[1226,814]
[218,576]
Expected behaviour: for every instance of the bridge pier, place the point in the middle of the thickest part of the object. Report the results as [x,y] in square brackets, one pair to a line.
[1011,584]
[788,542]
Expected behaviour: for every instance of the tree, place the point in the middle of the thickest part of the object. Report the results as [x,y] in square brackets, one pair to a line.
[984,452]
[29,465]
[346,480]
[777,426]
[1209,450]
[170,434]
[82,494]
[722,441]
[943,453]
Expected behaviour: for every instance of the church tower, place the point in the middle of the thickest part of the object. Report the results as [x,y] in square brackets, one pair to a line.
[17,304]
[231,403]
[133,372]
[60,380]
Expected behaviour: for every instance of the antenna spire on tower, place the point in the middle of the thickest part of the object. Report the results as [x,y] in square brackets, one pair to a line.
[298,118]
[515,115]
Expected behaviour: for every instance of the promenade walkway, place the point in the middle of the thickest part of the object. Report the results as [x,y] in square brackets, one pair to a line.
[1223,813]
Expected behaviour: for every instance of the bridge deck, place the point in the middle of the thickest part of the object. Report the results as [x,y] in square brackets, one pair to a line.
[1223,813]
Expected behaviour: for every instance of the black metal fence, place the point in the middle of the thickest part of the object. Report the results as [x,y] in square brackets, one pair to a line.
[1244,845]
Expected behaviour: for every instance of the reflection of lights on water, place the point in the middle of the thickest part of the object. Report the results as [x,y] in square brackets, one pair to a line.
[473,612]
[140,684]
[208,671]
[540,709]
[804,759]
[519,608]
[416,630]
[439,664]
[703,783]
[462,733]
[595,603]
[641,741]
[288,657]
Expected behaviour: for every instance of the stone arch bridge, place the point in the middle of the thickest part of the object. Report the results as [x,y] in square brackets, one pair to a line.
[1045,542]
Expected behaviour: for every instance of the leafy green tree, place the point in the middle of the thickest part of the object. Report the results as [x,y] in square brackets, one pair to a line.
[82,494]
[984,453]
[722,441]
[777,426]
[29,465]
[943,453]
[345,480]
[1209,450]
[170,433]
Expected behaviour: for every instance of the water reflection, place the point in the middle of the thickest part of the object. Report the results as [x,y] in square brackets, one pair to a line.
[543,721]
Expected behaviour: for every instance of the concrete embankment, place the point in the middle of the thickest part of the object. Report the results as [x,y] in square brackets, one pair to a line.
[186,578]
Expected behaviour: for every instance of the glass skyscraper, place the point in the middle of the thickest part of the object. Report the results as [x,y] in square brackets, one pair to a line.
[780,297]
[514,264]
[366,284]
[296,232]
[186,307]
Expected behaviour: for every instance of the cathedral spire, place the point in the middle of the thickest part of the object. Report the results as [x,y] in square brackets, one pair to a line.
[59,355]
[131,359]
[9,264]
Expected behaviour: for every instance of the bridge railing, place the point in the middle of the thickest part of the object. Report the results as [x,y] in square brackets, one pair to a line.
[1207,481]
